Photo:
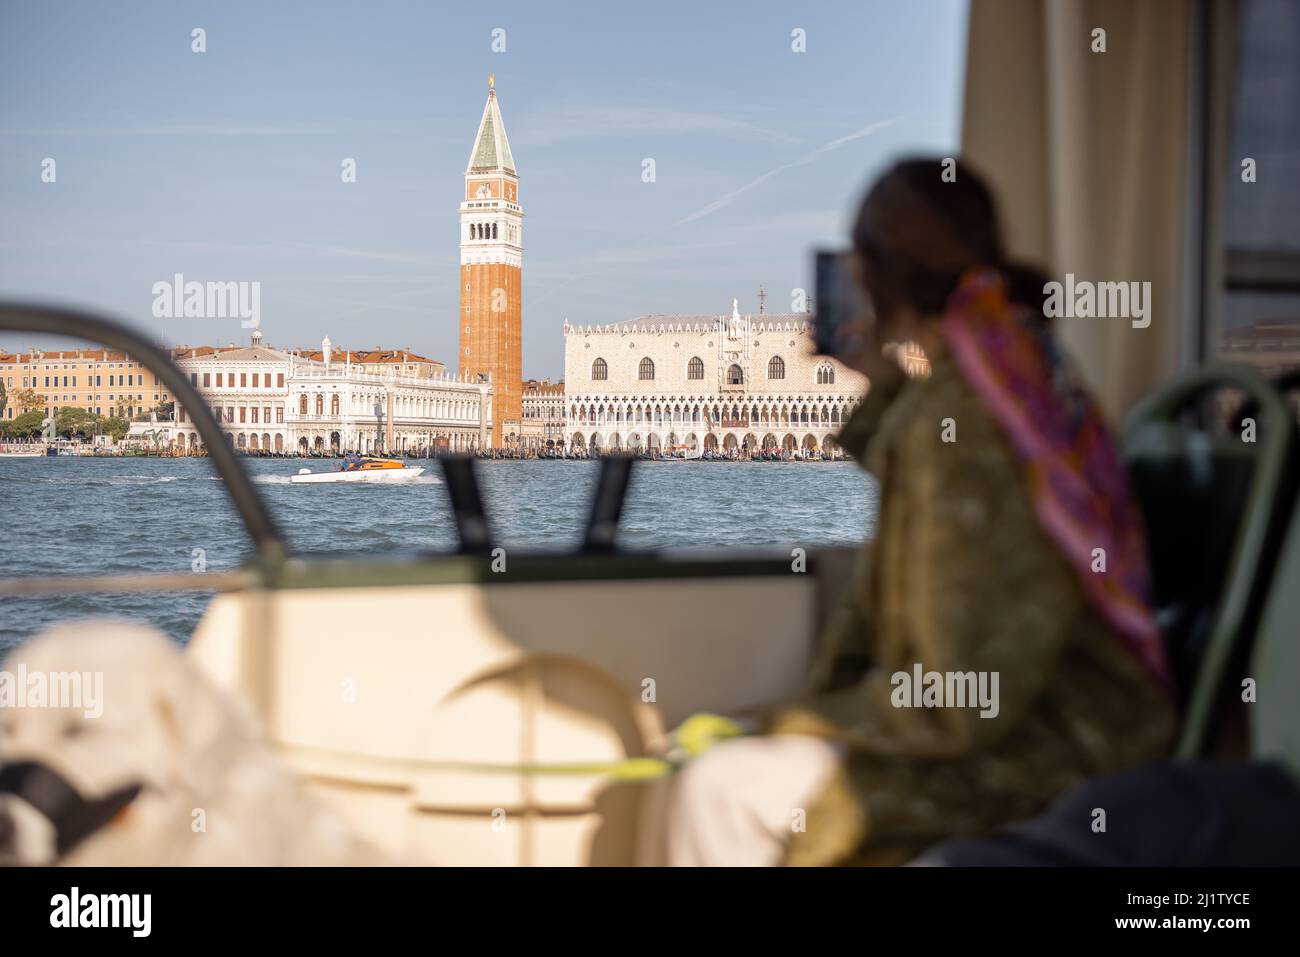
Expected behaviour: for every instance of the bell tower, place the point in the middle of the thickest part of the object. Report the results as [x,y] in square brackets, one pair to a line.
[491,251]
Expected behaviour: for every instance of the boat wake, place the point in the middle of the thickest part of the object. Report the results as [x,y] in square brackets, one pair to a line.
[109,479]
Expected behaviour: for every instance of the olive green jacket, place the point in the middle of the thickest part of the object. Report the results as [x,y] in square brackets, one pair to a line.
[960,578]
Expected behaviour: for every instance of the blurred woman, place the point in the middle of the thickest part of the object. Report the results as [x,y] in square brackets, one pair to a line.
[1008,557]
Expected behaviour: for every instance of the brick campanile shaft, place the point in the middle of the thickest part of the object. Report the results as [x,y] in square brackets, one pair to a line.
[491,288]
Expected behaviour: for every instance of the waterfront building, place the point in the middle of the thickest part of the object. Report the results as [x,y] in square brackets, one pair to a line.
[1270,347]
[100,381]
[276,400]
[729,383]
[543,415]
[913,360]
[152,434]
[491,258]
[381,361]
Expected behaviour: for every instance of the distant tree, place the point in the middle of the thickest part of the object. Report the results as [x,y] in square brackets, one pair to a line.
[25,426]
[163,410]
[4,399]
[28,400]
[115,427]
[74,421]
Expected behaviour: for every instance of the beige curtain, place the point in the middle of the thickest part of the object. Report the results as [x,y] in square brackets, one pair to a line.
[1089,156]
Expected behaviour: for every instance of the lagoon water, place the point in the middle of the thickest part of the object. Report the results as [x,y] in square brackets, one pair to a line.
[86,516]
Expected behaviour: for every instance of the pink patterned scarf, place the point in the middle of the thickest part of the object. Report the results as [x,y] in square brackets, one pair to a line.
[1079,488]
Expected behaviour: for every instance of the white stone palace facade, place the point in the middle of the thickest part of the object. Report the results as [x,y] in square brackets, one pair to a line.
[543,415]
[273,400]
[729,383]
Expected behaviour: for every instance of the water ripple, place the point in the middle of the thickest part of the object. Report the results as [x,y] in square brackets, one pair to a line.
[75,516]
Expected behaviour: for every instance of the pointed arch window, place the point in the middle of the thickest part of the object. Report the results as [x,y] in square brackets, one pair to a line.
[647,369]
[776,368]
[599,370]
[825,375]
[695,368]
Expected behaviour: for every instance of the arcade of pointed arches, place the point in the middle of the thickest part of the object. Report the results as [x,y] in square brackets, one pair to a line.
[614,423]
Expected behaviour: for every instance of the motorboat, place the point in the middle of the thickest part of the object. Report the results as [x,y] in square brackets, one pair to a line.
[361,468]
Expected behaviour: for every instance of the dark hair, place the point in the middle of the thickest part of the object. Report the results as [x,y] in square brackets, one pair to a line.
[917,234]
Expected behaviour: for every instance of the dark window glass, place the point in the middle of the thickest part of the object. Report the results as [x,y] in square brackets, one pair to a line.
[1260,319]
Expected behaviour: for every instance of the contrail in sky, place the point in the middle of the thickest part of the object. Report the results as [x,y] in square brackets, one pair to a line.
[726,198]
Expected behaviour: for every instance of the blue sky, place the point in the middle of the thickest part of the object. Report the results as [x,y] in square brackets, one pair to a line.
[226,165]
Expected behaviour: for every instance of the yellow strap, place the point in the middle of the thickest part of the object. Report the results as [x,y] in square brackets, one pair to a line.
[624,769]
[628,769]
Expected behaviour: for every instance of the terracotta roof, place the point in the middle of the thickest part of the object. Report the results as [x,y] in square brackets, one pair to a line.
[63,355]
[198,352]
[365,356]
[369,356]
[544,388]
[240,354]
